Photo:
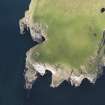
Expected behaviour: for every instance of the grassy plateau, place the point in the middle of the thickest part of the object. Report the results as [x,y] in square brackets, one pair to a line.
[74,30]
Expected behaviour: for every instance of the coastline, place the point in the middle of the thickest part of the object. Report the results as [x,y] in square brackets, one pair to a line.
[58,75]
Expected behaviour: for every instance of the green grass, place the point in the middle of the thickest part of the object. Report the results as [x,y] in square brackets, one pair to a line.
[74,30]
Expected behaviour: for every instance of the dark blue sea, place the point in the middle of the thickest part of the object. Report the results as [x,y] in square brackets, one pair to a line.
[13,47]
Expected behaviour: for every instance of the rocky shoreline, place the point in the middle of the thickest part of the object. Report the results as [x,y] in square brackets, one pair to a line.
[58,75]
[38,33]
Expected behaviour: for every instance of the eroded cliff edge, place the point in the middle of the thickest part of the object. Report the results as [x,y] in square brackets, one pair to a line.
[38,32]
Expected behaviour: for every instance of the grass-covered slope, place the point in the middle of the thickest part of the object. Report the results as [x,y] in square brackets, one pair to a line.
[74,30]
